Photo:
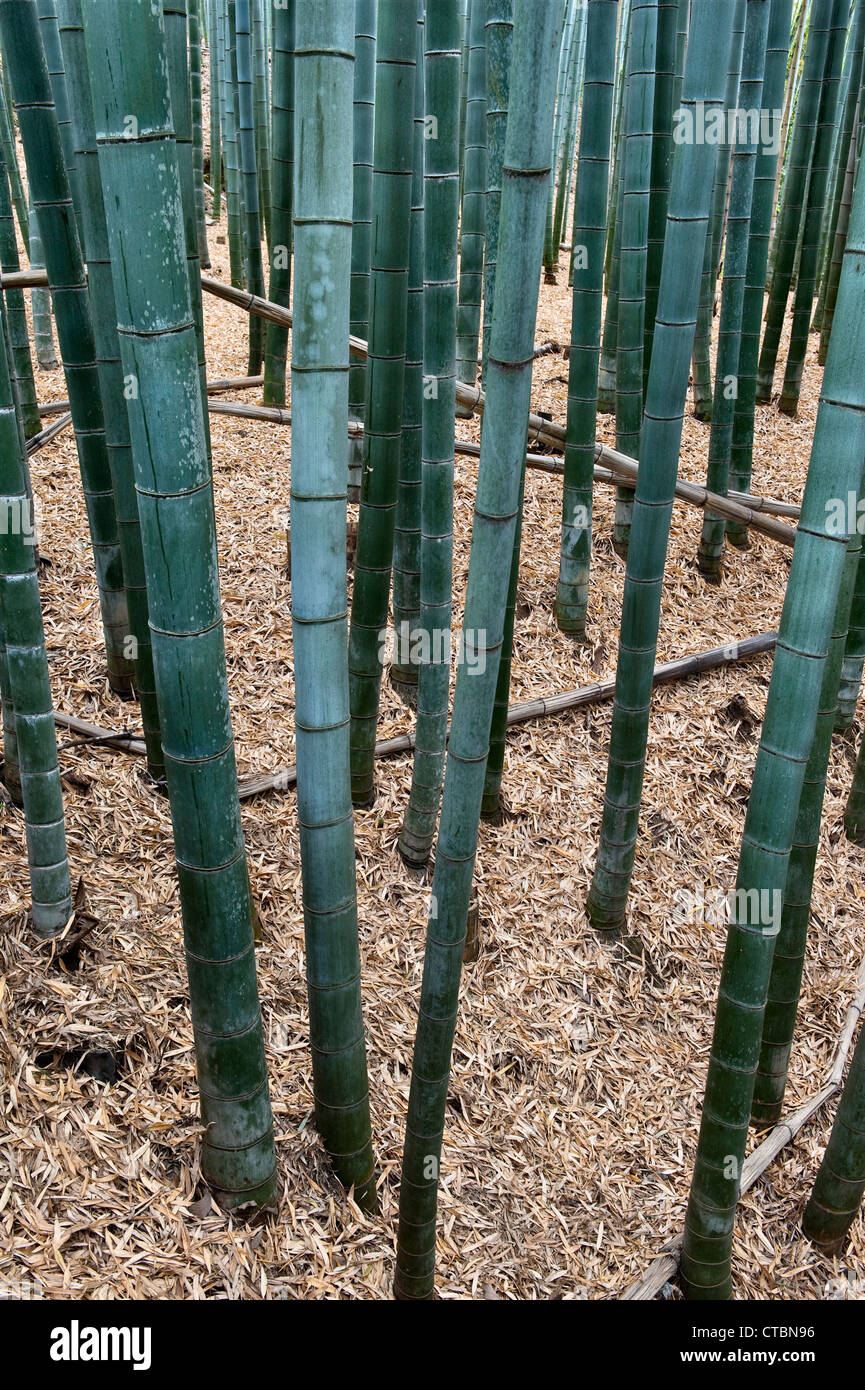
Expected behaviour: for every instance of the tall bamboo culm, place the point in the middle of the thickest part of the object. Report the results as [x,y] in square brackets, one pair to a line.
[175,499]
[678,302]
[473,201]
[636,178]
[281,194]
[112,384]
[509,375]
[361,239]
[385,378]
[49,189]
[441,215]
[28,682]
[324,39]
[762,204]
[840,1183]
[20,359]
[785,746]
[572,592]
[249,177]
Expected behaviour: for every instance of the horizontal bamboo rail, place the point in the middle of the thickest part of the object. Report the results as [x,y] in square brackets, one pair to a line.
[472,398]
[664,1267]
[284,777]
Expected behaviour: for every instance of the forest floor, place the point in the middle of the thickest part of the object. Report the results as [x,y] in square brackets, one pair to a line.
[579,1064]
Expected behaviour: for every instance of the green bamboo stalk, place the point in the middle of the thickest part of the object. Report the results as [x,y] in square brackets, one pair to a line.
[499,35]
[50,36]
[262,122]
[229,142]
[49,185]
[175,498]
[194,20]
[215,63]
[572,592]
[563,64]
[785,982]
[111,380]
[854,811]
[361,240]
[473,202]
[11,768]
[854,655]
[806,281]
[609,339]
[569,129]
[661,167]
[465,17]
[795,196]
[848,95]
[40,303]
[762,205]
[840,1182]
[636,173]
[29,686]
[407,525]
[715,235]
[839,239]
[385,381]
[16,316]
[441,218]
[744,164]
[254,265]
[509,373]
[319,393]
[10,157]
[678,302]
[785,746]
[281,205]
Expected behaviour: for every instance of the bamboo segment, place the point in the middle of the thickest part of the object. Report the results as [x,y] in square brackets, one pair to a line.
[782,1001]
[509,369]
[407,521]
[215,64]
[678,303]
[10,157]
[498,38]
[795,195]
[111,381]
[28,684]
[276,336]
[840,1183]
[803,305]
[441,202]
[175,500]
[248,173]
[715,234]
[661,168]
[40,301]
[572,591]
[742,443]
[232,173]
[49,189]
[385,383]
[21,363]
[361,238]
[854,654]
[637,178]
[319,390]
[744,162]
[474,194]
[785,746]
[194,21]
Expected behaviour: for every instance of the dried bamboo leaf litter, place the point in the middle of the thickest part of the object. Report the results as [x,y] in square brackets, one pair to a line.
[578,1067]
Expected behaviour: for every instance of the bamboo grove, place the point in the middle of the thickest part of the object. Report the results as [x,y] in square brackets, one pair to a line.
[395,180]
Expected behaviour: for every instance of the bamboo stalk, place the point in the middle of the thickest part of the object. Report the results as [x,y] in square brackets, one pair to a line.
[664,1267]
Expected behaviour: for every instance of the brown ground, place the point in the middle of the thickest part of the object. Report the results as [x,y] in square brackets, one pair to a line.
[578,1067]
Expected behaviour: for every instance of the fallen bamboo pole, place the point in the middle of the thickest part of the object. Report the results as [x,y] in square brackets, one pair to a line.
[663,1268]
[284,777]
[470,397]
[37,441]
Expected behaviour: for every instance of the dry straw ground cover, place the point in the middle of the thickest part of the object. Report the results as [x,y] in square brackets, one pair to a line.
[578,1066]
